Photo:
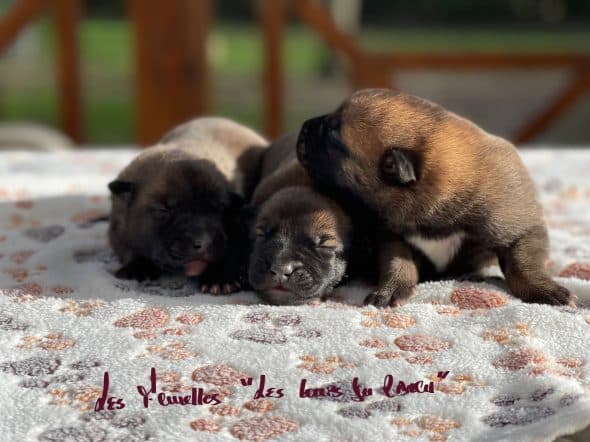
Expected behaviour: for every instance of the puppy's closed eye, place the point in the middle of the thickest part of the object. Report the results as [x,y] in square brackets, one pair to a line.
[397,168]
[160,212]
[326,242]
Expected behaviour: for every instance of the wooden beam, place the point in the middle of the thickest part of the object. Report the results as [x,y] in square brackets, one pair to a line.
[17,18]
[67,15]
[318,17]
[171,63]
[273,17]
[365,74]
[564,100]
[469,61]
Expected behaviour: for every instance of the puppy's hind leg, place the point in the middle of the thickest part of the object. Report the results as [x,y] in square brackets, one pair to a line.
[523,264]
[398,275]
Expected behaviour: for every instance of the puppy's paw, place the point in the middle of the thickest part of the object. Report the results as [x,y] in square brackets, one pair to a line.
[378,299]
[220,289]
[218,281]
[139,270]
[392,298]
[552,294]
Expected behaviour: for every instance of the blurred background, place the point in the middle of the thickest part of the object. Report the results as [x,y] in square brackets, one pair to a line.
[111,72]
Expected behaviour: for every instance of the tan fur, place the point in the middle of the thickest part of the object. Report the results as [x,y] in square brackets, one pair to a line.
[466,181]
[234,148]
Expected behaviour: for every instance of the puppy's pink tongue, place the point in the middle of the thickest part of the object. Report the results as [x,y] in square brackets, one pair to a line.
[195,268]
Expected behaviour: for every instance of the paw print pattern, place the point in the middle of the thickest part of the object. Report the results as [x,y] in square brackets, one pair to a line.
[472,298]
[97,254]
[261,335]
[45,234]
[262,428]
[35,366]
[327,366]
[219,375]
[132,422]
[436,427]
[383,407]
[81,309]
[8,323]
[519,358]
[145,319]
[74,434]
[176,286]
[580,270]
[389,319]
[525,408]
[416,349]
[273,329]
[82,397]
[50,342]
[506,335]
[174,351]
[79,371]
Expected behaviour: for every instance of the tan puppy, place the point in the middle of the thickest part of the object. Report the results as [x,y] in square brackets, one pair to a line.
[176,206]
[300,239]
[451,197]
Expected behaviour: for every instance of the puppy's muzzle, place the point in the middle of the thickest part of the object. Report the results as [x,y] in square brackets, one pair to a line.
[280,273]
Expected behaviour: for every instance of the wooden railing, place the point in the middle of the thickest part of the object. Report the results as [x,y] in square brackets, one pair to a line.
[171,63]
[66,15]
[172,80]
[370,69]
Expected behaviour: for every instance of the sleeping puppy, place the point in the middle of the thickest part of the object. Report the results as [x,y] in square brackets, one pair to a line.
[176,206]
[300,238]
[451,198]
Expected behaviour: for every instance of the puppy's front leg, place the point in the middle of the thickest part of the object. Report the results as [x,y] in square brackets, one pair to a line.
[138,268]
[523,265]
[398,275]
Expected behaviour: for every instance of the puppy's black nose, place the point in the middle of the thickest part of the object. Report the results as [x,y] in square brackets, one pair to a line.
[282,272]
[201,244]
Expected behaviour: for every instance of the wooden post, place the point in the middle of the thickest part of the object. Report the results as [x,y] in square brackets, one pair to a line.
[67,15]
[17,18]
[273,17]
[579,85]
[171,63]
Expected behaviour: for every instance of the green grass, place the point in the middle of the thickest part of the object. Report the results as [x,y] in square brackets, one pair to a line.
[236,49]
[471,40]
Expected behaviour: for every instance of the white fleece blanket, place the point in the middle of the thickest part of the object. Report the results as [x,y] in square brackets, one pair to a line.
[491,367]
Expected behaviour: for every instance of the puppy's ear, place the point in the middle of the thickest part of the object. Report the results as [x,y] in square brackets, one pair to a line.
[121,188]
[397,167]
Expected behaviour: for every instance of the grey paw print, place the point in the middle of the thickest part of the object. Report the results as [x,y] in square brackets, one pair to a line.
[79,372]
[176,286]
[132,422]
[95,254]
[386,406]
[11,324]
[45,234]
[517,409]
[74,434]
[273,329]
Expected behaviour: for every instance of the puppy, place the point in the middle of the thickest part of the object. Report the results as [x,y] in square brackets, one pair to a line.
[176,206]
[450,197]
[301,239]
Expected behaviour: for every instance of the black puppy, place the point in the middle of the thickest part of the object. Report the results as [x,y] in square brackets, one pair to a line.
[301,239]
[176,207]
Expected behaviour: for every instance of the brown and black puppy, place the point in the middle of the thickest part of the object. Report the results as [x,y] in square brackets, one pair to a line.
[451,197]
[301,238]
[176,206]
